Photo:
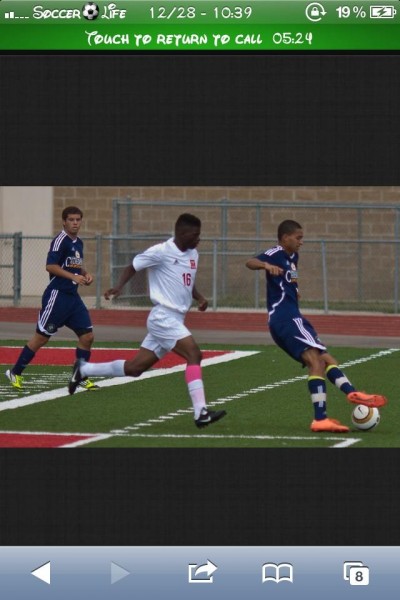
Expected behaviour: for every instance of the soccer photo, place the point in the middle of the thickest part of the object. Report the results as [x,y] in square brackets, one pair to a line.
[201,317]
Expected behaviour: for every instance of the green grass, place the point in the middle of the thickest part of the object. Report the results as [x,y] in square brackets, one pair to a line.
[276,417]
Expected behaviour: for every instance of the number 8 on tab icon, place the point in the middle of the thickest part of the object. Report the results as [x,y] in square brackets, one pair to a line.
[356,573]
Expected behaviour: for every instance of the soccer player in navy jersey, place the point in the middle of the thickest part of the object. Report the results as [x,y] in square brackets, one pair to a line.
[61,303]
[172,267]
[295,334]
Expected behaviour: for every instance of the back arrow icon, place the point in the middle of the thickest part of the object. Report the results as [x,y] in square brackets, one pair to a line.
[42,572]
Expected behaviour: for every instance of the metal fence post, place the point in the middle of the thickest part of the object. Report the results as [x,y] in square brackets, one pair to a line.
[17,271]
[360,258]
[324,276]
[215,273]
[224,245]
[99,269]
[258,235]
[396,260]
[113,242]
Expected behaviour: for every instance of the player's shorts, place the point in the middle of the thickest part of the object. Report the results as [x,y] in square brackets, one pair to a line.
[165,328]
[59,310]
[295,336]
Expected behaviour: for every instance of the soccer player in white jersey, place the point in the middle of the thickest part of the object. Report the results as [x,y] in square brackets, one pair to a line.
[171,267]
[294,333]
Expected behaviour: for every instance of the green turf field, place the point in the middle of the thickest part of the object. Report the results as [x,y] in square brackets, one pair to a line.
[265,396]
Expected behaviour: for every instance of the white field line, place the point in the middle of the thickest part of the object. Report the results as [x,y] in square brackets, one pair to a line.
[244,394]
[340,442]
[52,348]
[90,437]
[225,358]
[249,392]
[63,392]
[96,437]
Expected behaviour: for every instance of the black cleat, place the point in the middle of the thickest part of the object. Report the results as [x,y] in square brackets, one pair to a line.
[209,416]
[77,376]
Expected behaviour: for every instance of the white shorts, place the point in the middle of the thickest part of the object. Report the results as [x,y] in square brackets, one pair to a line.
[165,327]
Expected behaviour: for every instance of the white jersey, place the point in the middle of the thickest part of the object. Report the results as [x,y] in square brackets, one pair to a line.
[171,274]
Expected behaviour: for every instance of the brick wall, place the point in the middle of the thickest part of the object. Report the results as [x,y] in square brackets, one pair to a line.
[327,223]
[96,203]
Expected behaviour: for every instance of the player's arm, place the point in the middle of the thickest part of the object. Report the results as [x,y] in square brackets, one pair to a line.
[126,275]
[88,277]
[255,264]
[201,301]
[57,271]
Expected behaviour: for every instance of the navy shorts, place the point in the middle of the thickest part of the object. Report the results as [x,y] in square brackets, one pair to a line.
[295,336]
[59,310]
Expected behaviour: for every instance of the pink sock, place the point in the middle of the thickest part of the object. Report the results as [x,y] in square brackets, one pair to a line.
[192,373]
[196,388]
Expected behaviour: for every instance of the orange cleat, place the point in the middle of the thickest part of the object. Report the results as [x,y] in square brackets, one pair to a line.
[331,425]
[367,399]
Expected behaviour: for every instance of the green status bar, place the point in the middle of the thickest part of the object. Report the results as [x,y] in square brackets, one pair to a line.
[140,25]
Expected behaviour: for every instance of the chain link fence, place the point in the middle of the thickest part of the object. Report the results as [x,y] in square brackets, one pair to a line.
[345,274]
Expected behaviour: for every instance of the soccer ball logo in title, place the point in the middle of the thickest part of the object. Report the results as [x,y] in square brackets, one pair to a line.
[90,11]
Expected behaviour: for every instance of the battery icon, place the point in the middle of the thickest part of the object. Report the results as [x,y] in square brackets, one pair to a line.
[382,12]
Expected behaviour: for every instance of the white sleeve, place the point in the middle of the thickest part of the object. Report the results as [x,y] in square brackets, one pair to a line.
[148,258]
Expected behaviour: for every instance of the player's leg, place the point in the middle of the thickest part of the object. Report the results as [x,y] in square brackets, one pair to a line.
[311,358]
[83,352]
[78,319]
[47,325]
[167,329]
[336,375]
[315,364]
[188,349]
[339,379]
[150,352]
[298,338]
[14,375]
[85,343]
[143,360]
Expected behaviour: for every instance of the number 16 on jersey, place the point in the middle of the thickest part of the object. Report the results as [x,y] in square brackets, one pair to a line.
[187,279]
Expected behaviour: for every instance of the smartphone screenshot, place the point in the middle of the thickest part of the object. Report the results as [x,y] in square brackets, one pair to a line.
[172,420]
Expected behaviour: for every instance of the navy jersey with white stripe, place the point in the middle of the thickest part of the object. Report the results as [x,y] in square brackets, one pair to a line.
[68,254]
[282,290]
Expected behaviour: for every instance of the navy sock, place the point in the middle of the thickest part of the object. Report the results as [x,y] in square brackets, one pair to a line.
[23,360]
[338,378]
[85,354]
[317,389]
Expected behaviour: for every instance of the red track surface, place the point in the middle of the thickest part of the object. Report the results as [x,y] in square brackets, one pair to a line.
[367,325]
[66,356]
[40,440]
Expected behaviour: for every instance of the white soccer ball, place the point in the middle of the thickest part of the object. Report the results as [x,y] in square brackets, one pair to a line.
[365,417]
[90,11]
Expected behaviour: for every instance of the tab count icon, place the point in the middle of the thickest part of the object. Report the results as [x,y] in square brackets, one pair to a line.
[356,573]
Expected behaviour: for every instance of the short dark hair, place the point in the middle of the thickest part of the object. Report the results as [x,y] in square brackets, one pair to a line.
[187,220]
[71,210]
[288,227]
